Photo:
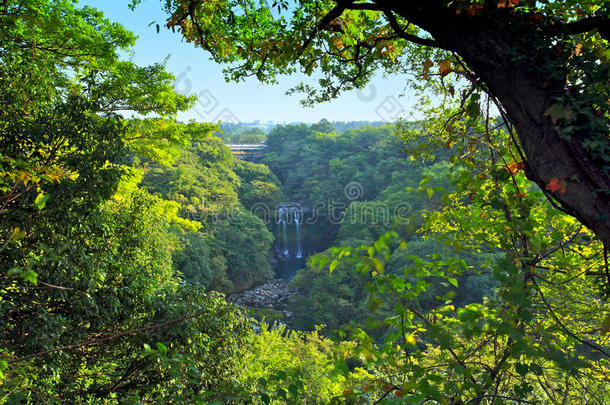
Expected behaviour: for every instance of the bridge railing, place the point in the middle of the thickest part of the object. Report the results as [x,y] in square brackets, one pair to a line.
[246,147]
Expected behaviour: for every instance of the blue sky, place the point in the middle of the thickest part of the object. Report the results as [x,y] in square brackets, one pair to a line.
[251,100]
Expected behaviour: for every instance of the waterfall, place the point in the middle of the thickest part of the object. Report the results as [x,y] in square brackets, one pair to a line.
[283,218]
[286,214]
[299,248]
[290,241]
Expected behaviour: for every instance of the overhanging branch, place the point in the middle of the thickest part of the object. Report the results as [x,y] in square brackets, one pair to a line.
[108,338]
[409,37]
[341,6]
[601,24]
[325,21]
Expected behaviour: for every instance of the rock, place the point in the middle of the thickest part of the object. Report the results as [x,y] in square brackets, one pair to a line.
[273,294]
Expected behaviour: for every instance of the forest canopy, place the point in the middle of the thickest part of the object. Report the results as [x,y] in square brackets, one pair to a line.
[542,64]
[464,260]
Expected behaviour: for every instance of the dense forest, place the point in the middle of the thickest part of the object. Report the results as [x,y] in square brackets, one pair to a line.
[446,260]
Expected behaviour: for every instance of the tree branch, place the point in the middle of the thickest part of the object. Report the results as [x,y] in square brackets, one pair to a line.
[108,338]
[327,19]
[602,24]
[569,332]
[409,37]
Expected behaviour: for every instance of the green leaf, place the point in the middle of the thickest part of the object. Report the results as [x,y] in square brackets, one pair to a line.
[41,200]
[557,112]
[341,367]
[536,369]
[161,347]
[497,203]
[3,367]
[322,260]
[473,108]
[27,275]
[522,369]
[333,265]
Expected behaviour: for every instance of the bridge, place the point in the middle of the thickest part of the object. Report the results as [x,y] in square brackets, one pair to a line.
[247,151]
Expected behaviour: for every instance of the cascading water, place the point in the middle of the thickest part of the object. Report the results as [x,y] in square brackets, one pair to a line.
[282,213]
[299,247]
[291,247]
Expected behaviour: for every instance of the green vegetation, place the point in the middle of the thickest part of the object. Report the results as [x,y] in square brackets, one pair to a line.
[78,266]
[298,368]
[544,65]
[325,171]
[355,187]
[242,133]
[453,262]
[225,246]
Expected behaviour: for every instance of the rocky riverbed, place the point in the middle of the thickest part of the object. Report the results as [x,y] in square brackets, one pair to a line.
[273,294]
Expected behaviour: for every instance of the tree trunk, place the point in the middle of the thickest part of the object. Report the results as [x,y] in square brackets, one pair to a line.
[489,47]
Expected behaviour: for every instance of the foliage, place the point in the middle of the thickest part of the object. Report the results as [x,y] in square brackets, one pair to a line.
[296,368]
[544,65]
[520,341]
[112,230]
[368,162]
[390,193]
[87,287]
[260,188]
[245,243]
[334,300]
[229,250]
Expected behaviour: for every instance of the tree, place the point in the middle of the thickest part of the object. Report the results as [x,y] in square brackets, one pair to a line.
[291,367]
[86,277]
[245,241]
[259,191]
[543,63]
[536,323]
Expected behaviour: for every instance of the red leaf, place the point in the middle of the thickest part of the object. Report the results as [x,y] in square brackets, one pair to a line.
[556,185]
[514,168]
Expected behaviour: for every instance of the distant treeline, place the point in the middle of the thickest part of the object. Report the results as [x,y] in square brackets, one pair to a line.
[256,132]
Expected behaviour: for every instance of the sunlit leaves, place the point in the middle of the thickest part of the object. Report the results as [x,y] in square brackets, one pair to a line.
[76,265]
[444,67]
[517,328]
